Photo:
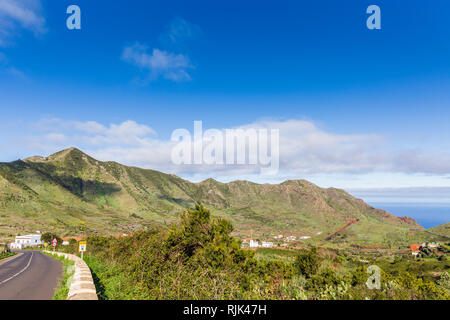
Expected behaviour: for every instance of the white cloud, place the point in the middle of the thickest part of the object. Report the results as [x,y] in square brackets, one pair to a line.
[93,134]
[306,151]
[20,14]
[178,32]
[158,63]
[165,63]
[406,195]
[7,68]
[305,148]
[55,138]
[417,161]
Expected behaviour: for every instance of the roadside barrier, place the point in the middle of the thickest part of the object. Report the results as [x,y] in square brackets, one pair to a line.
[82,286]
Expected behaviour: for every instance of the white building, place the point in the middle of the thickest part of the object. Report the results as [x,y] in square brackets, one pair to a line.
[30,240]
[254,244]
[433,244]
[305,237]
[267,244]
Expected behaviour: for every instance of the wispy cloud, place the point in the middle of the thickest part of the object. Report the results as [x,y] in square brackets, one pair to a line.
[410,195]
[18,15]
[167,63]
[92,133]
[178,32]
[158,63]
[8,69]
[305,149]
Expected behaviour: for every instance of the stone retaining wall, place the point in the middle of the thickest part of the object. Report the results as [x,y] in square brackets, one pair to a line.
[82,286]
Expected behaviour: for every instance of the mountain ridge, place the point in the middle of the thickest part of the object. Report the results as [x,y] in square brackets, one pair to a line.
[69,186]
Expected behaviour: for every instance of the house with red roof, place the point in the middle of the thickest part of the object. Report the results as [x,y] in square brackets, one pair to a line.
[67,239]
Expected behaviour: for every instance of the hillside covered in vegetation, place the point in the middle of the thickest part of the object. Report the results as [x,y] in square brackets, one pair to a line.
[71,193]
[197,258]
[443,229]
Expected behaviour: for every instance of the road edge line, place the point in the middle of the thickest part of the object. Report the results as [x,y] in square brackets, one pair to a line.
[20,272]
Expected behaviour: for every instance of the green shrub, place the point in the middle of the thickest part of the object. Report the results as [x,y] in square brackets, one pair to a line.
[196,259]
[48,238]
[326,278]
[307,263]
[199,259]
[4,255]
[444,280]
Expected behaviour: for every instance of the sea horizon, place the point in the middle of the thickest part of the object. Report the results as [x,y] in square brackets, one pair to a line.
[428,215]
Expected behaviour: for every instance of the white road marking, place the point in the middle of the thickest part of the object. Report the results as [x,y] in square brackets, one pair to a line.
[10,278]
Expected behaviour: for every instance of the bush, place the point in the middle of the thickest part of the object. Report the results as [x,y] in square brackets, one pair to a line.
[307,263]
[326,278]
[444,280]
[4,255]
[48,238]
[196,259]
[199,259]
[359,276]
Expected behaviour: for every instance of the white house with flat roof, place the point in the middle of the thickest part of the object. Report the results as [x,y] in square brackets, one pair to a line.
[30,240]
[267,244]
[254,244]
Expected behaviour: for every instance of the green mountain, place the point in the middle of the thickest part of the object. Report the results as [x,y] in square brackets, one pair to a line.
[70,193]
[443,229]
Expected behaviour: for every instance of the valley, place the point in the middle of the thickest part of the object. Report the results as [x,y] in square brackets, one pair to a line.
[71,193]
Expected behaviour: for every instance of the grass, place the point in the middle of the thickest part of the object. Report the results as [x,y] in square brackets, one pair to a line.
[268,254]
[62,290]
[109,280]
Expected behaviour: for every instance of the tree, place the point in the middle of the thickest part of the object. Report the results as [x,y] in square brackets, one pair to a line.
[307,263]
[48,237]
[444,280]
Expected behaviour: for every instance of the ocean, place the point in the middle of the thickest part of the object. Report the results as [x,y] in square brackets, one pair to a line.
[427,215]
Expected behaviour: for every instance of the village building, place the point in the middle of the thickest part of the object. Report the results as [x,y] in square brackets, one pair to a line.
[21,242]
[254,244]
[433,244]
[415,249]
[66,240]
[267,244]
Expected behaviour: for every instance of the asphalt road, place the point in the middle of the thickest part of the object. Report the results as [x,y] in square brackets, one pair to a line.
[32,276]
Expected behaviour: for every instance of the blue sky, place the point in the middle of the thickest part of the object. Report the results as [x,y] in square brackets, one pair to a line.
[373,105]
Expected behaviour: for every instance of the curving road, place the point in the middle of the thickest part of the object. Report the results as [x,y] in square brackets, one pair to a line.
[31,276]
